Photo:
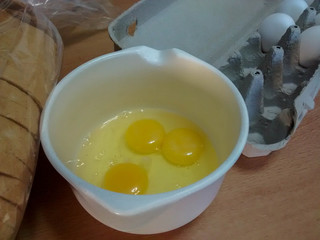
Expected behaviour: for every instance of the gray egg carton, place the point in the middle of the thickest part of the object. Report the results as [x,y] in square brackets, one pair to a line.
[278,91]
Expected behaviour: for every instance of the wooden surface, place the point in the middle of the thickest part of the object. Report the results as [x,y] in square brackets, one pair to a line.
[273,197]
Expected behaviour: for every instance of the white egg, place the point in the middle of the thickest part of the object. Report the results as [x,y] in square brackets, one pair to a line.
[272,29]
[309,2]
[310,46]
[293,8]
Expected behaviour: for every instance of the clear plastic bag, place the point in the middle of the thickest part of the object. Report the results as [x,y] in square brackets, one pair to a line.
[89,14]
[30,61]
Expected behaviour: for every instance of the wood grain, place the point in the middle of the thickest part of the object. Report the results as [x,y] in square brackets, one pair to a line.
[272,197]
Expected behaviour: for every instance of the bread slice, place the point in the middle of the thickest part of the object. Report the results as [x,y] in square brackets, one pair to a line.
[18,105]
[18,150]
[10,218]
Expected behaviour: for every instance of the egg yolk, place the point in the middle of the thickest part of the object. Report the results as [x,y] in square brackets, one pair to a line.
[145,136]
[182,146]
[128,178]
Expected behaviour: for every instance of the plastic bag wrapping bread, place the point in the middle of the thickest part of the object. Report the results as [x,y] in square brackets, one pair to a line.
[30,61]
[89,14]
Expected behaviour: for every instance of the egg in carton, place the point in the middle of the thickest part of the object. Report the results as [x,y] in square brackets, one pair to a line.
[277,88]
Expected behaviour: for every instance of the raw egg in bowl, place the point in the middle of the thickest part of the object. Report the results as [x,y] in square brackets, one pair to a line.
[144,137]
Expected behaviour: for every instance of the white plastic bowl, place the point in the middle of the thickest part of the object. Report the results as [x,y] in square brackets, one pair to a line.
[144,77]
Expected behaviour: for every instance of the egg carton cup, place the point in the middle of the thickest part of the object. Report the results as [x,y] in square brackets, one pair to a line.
[278,91]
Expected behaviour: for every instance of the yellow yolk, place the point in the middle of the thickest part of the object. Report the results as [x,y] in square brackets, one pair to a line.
[182,146]
[126,178]
[145,136]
